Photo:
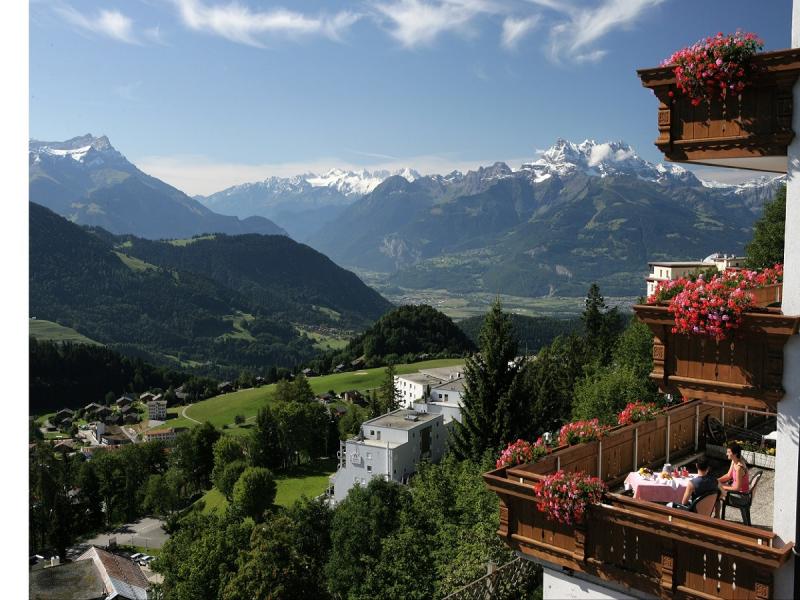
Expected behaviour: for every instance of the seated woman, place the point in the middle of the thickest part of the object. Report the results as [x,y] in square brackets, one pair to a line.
[737,476]
[702,484]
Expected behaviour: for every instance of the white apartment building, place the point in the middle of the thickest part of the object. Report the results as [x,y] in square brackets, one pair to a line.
[420,385]
[157,410]
[390,446]
[445,400]
[666,271]
[167,434]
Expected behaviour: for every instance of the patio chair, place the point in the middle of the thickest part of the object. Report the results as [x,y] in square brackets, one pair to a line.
[742,500]
[706,504]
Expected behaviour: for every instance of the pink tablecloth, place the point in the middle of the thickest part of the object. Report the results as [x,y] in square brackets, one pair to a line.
[656,490]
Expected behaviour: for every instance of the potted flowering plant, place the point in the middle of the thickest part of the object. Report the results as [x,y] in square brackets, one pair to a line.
[521,452]
[714,307]
[564,497]
[715,66]
[637,411]
[580,431]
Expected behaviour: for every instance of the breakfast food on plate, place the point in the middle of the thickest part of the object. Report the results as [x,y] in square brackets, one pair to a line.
[645,471]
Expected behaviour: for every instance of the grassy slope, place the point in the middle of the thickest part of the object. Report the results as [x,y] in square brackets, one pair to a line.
[306,480]
[48,330]
[221,410]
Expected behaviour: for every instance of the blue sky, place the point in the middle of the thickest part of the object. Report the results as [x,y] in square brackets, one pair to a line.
[207,93]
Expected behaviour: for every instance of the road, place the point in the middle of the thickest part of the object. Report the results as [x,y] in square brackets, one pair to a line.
[145,532]
[185,416]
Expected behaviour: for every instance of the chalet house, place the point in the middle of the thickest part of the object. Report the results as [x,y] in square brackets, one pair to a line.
[259,381]
[90,408]
[358,363]
[132,418]
[126,409]
[64,413]
[308,372]
[146,397]
[123,401]
[354,397]
[101,412]
[113,418]
[113,436]
[225,387]
[65,424]
[339,368]
[181,394]
[94,575]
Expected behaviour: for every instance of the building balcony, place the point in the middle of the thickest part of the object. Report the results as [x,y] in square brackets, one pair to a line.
[745,370]
[751,131]
[648,547]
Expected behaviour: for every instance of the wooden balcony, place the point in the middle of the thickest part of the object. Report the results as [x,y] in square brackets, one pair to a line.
[751,133]
[662,551]
[747,369]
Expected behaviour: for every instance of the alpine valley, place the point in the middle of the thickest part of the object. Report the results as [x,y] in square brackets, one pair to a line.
[581,212]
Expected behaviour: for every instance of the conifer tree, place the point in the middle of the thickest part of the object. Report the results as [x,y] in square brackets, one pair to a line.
[769,232]
[388,394]
[601,326]
[489,412]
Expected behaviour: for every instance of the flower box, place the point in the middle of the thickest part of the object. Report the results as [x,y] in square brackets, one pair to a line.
[753,459]
[750,131]
[746,369]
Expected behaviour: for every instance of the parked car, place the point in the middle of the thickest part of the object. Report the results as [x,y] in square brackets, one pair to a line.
[137,556]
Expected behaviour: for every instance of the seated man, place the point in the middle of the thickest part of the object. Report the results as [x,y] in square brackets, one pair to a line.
[697,486]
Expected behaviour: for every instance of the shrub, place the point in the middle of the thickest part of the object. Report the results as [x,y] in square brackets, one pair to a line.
[564,497]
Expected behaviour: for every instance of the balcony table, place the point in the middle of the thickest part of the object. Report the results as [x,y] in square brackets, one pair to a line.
[657,490]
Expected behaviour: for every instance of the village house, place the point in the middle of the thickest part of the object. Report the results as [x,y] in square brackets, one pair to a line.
[60,416]
[225,387]
[146,397]
[414,387]
[390,446]
[113,436]
[94,575]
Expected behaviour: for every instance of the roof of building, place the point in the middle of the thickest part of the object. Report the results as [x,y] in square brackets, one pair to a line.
[79,580]
[445,373]
[456,385]
[376,443]
[156,402]
[420,378]
[397,419]
[124,575]
[163,430]
[687,263]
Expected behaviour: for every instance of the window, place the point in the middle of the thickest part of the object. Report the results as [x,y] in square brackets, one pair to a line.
[440,396]
[369,468]
[372,432]
[369,455]
[379,435]
[446,397]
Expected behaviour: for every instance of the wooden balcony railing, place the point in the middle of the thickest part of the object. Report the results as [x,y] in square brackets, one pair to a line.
[747,369]
[658,550]
[751,131]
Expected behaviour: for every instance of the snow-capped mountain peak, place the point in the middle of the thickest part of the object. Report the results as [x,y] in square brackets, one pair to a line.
[356,183]
[85,149]
[601,159]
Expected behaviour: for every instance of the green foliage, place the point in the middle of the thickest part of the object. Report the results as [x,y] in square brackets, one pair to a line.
[769,232]
[162,493]
[490,414]
[388,395]
[200,556]
[605,391]
[350,423]
[634,349]
[254,493]
[67,375]
[275,565]
[360,523]
[229,463]
[601,325]
[193,455]
[533,333]
[400,336]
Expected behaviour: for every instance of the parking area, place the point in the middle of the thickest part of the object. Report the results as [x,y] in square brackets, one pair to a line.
[146,532]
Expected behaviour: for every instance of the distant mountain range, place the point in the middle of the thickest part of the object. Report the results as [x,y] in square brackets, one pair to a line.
[86,180]
[214,304]
[303,203]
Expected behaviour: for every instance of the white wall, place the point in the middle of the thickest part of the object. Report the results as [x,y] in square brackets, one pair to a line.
[557,585]
[786,460]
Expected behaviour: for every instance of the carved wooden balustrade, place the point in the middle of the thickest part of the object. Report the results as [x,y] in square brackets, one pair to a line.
[748,131]
[658,550]
[746,369]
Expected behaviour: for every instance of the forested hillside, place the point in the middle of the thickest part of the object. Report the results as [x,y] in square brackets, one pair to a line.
[532,332]
[164,315]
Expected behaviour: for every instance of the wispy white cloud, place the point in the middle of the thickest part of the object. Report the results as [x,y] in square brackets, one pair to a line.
[195,174]
[575,37]
[419,22]
[514,29]
[154,35]
[127,91]
[109,23]
[240,24]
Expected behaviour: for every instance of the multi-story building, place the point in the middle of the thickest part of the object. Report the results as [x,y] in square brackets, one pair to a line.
[166,434]
[421,385]
[390,446]
[157,410]
[667,271]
